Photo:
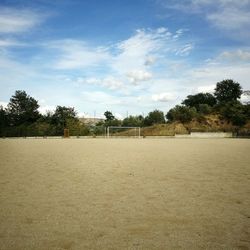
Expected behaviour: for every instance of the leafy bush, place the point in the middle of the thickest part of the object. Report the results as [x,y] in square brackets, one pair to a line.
[204,109]
[133,121]
[235,112]
[181,113]
[154,117]
[198,99]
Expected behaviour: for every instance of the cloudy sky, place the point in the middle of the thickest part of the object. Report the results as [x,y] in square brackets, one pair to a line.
[126,56]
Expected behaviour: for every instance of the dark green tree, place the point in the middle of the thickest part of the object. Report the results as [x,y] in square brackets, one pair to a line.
[204,109]
[110,120]
[227,90]
[181,113]
[109,116]
[247,111]
[61,116]
[133,121]
[154,117]
[22,109]
[200,98]
[3,120]
[235,112]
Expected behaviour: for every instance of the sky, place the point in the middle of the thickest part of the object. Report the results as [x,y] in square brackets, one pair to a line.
[126,56]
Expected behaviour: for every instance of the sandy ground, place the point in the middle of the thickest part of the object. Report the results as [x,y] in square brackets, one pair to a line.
[124,194]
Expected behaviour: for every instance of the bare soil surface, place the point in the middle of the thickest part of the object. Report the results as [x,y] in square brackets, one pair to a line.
[124,194]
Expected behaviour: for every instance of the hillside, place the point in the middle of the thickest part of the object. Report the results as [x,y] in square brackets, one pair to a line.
[210,123]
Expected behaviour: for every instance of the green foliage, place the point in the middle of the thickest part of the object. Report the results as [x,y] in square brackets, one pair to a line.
[111,120]
[133,121]
[109,116]
[198,99]
[3,120]
[76,128]
[181,113]
[247,111]
[98,129]
[154,117]
[3,117]
[235,112]
[22,109]
[60,117]
[114,122]
[227,91]
[204,109]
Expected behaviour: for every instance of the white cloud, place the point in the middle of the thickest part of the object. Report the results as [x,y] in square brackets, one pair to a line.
[245,98]
[91,80]
[206,88]
[236,55]
[162,30]
[43,109]
[184,50]
[118,116]
[101,98]
[204,78]
[18,20]
[74,54]
[112,83]
[230,16]
[130,59]
[141,49]
[9,43]
[163,97]
[136,76]
[109,82]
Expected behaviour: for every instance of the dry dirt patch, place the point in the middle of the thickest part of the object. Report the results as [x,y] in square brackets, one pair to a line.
[124,194]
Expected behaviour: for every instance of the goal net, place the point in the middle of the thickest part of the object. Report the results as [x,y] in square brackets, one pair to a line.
[113,131]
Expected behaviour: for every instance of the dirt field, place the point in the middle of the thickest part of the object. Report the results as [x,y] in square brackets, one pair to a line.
[124,194]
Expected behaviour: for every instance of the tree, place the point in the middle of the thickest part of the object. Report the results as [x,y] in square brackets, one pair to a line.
[61,116]
[3,120]
[181,113]
[111,120]
[200,98]
[109,116]
[22,109]
[204,109]
[235,112]
[154,117]
[247,111]
[133,121]
[227,90]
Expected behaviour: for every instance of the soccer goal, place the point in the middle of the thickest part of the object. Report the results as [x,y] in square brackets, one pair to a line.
[113,131]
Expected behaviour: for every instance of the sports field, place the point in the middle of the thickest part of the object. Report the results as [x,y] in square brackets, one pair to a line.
[124,194]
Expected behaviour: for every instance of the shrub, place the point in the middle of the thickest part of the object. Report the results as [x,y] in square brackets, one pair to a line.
[181,113]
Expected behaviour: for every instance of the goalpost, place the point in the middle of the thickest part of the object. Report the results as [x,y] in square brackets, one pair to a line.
[113,131]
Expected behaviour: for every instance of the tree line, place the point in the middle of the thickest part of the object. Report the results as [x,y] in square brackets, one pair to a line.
[224,102]
[21,117]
